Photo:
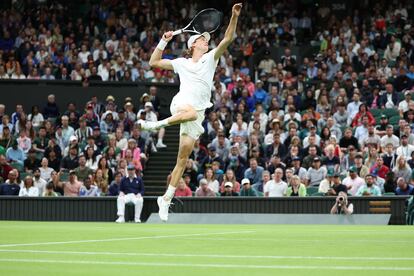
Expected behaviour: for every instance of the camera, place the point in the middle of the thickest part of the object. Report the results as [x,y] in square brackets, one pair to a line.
[340,201]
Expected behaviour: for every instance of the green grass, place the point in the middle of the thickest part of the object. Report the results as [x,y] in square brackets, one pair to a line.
[62,248]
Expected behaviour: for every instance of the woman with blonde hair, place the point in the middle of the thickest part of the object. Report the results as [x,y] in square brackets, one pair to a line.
[296,188]
[28,188]
[402,169]
[101,182]
[229,176]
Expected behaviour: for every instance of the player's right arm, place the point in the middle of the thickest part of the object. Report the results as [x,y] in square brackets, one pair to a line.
[156,57]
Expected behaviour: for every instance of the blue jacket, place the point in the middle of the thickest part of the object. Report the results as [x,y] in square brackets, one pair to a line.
[135,186]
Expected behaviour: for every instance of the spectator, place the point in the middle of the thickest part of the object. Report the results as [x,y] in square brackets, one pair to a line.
[82,171]
[49,190]
[39,182]
[228,190]
[182,189]
[369,189]
[353,182]
[115,185]
[203,190]
[342,206]
[403,188]
[15,155]
[131,190]
[316,173]
[29,189]
[402,169]
[88,188]
[275,187]
[254,172]
[247,189]
[45,170]
[296,188]
[51,109]
[10,188]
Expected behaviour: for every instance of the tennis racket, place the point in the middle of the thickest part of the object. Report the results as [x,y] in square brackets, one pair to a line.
[208,20]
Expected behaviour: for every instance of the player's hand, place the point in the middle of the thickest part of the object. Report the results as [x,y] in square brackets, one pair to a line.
[167,36]
[236,9]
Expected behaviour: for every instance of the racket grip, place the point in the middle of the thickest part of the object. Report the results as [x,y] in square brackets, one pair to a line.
[177,32]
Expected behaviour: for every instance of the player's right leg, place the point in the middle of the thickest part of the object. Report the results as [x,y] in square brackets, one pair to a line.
[184,151]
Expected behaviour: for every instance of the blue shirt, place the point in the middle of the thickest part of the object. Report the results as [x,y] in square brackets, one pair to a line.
[254,176]
[135,186]
[409,191]
[16,155]
[113,189]
[9,189]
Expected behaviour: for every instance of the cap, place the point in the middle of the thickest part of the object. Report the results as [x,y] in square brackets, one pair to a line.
[383,116]
[239,79]
[358,156]
[143,96]
[73,138]
[228,184]
[148,104]
[333,137]
[131,140]
[404,136]
[408,92]
[316,159]
[330,172]
[121,111]
[336,174]
[193,38]
[110,98]
[131,167]
[245,181]
[212,148]
[72,172]
[128,99]
[128,103]
[352,169]
[96,128]
[296,158]
[275,121]
[90,106]
[203,181]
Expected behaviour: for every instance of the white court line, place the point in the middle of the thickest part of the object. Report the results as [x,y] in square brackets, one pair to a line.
[210,255]
[301,240]
[236,266]
[124,239]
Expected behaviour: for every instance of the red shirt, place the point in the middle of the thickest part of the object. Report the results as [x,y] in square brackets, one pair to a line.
[186,192]
[381,172]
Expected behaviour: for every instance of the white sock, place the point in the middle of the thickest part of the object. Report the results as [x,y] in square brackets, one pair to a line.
[163,123]
[169,194]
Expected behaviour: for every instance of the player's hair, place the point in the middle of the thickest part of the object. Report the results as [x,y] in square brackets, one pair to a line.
[189,52]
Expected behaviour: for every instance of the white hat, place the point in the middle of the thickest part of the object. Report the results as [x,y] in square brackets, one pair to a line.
[148,104]
[193,38]
[73,138]
[228,184]
[245,181]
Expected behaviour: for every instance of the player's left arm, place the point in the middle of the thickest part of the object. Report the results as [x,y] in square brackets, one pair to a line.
[229,36]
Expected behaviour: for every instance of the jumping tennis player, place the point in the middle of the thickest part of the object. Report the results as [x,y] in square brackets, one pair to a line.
[189,105]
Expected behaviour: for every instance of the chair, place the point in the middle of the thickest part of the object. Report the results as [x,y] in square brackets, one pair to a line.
[64,176]
[311,190]
[17,166]
[389,194]
[394,120]
[24,174]
[390,112]
[376,112]
[318,194]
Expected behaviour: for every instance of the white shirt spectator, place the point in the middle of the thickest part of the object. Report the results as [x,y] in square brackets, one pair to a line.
[32,191]
[405,151]
[45,173]
[361,133]
[275,189]
[37,119]
[39,184]
[214,185]
[394,140]
[352,109]
[353,185]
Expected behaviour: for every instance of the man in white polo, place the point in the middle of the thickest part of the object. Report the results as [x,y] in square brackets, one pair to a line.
[275,187]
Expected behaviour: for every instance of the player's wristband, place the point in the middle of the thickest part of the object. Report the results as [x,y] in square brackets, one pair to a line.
[162,44]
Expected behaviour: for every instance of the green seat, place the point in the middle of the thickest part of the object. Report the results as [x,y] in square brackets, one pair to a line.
[311,190]
[389,194]
[17,166]
[260,194]
[24,174]
[318,194]
[390,112]
[376,112]
[394,120]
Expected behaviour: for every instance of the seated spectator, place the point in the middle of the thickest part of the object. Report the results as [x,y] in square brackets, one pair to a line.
[31,163]
[203,190]
[260,185]
[403,188]
[228,190]
[402,169]
[72,186]
[369,189]
[275,187]
[353,182]
[316,173]
[115,185]
[15,155]
[379,168]
[10,188]
[327,183]
[131,190]
[70,161]
[45,170]
[296,188]
[39,182]
[88,188]
[28,188]
[213,184]
[254,172]
[49,190]
[230,177]
[82,171]
[182,189]
[247,189]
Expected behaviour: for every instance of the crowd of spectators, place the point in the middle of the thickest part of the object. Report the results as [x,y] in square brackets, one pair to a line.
[340,120]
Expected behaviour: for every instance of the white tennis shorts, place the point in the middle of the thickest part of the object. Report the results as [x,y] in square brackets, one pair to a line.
[191,128]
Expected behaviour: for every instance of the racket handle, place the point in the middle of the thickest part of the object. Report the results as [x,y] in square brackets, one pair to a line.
[177,32]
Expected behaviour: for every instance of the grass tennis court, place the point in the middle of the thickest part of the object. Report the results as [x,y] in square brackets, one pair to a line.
[61,248]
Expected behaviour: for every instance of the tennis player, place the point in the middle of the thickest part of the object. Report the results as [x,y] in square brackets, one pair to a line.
[189,105]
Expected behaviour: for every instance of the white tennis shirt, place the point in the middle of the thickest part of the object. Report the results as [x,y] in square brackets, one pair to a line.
[196,80]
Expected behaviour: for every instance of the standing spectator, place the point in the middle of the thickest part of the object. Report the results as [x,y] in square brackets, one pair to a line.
[275,187]
[131,190]
[51,109]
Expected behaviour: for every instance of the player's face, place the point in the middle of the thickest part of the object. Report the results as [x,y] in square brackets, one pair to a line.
[201,43]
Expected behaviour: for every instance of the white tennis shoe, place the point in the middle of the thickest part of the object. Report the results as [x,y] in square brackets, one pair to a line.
[164,207]
[147,125]
[121,219]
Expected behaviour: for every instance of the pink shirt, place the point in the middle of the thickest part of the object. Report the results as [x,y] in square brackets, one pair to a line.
[72,189]
[186,192]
